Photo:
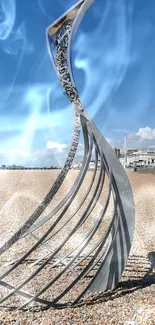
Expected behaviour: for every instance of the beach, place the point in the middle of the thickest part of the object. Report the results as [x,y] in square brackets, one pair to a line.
[133,301]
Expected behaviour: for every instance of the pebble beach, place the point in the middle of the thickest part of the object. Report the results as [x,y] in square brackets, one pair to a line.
[133,301]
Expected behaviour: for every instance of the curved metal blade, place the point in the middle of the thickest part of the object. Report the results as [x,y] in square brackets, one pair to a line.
[103,251]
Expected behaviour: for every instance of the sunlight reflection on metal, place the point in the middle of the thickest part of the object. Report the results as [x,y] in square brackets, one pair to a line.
[84,246]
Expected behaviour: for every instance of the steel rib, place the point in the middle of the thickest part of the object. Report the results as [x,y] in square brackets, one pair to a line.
[83,200]
[24,305]
[22,293]
[93,249]
[50,194]
[101,169]
[105,237]
[40,268]
[71,217]
[104,265]
[74,258]
[85,210]
[117,239]
[101,185]
[91,201]
[29,296]
[92,231]
[87,159]
[94,174]
[57,208]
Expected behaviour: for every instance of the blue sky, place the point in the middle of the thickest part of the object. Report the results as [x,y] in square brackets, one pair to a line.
[114,68]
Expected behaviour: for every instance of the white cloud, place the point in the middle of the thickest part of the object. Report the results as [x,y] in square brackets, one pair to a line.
[56,146]
[146,133]
[144,138]
[18,152]
[55,153]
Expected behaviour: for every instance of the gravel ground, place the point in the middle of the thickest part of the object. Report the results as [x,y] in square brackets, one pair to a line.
[133,301]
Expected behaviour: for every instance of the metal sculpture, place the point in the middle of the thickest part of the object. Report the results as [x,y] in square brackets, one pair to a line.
[99,257]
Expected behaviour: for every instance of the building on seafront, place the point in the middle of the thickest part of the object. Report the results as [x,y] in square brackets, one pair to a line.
[11,167]
[131,158]
[141,158]
[15,167]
